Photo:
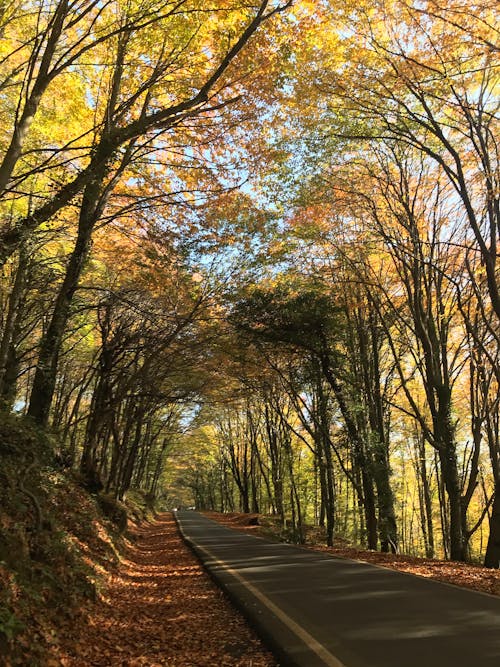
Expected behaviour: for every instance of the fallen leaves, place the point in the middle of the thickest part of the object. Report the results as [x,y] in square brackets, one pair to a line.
[162,610]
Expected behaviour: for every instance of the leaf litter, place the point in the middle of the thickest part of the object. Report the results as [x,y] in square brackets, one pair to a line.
[161,609]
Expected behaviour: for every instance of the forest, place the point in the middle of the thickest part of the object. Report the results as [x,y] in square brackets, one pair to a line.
[250,263]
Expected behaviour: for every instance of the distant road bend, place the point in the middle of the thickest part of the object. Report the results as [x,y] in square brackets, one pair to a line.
[315,610]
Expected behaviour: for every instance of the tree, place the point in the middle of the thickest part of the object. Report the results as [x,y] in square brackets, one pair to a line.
[140,110]
[117,143]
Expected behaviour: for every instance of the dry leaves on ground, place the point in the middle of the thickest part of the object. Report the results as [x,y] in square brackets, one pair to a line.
[162,609]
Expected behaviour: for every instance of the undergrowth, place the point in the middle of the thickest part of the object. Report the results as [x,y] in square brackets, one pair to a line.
[58,544]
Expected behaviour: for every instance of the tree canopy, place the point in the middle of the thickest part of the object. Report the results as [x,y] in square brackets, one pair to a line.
[250,257]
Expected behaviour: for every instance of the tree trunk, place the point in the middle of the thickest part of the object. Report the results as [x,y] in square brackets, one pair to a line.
[425,499]
[323,490]
[45,375]
[492,556]
[330,507]
[370,511]
[368,344]
[451,482]
[369,503]
[32,103]
[13,315]
[387,519]
[128,467]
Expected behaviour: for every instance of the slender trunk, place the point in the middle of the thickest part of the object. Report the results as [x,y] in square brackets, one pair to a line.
[444,433]
[369,353]
[323,491]
[370,511]
[295,504]
[11,371]
[492,556]
[46,371]
[387,517]
[369,502]
[160,461]
[128,468]
[427,524]
[43,79]
[443,509]
[276,465]
[264,474]
[323,445]
[330,485]
[13,314]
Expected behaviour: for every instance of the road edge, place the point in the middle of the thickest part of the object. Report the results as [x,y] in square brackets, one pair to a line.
[253,615]
[282,657]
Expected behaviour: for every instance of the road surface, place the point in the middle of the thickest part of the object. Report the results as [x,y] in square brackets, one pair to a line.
[313,609]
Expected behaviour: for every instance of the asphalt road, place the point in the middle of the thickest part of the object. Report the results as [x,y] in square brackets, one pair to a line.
[313,609]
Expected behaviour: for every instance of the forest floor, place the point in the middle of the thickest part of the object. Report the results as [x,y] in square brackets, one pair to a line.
[87,581]
[160,609]
[459,574]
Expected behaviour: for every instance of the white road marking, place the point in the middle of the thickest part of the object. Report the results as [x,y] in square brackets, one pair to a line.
[328,658]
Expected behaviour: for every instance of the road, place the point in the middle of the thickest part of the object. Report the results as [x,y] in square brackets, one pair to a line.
[313,609]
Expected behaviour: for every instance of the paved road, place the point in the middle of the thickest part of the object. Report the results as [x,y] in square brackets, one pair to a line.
[316,610]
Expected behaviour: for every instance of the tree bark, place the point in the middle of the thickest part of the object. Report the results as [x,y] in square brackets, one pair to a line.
[492,556]
[45,375]
[369,502]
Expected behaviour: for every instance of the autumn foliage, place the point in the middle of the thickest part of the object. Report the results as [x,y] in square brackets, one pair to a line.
[250,263]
